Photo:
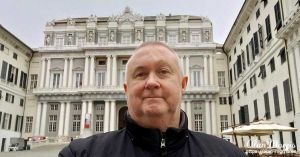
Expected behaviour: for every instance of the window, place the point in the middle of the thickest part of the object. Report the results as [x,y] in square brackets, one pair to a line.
[198,122]
[21,102]
[77,107]
[99,107]
[99,123]
[18,124]
[224,122]
[276,101]
[172,38]
[54,107]
[255,110]
[287,95]
[1,47]
[282,55]
[103,40]
[244,114]
[28,125]
[126,38]
[23,80]
[12,74]
[278,16]
[243,60]
[52,123]
[230,72]
[59,41]
[268,28]
[241,40]
[257,13]
[122,77]
[265,2]
[234,50]
[196,78]
[9,98]
[248,28]
[262,72]
[245,89]
[4,70]
[195,38]
[76,123]
[55,80]
[33,81]
[238,94]
[267,106]
[0,99]
[6,121]
[272,64]
[255,44]
[150,37]
[253,81]
[261,37]
[102,62]
[81,41]
[78,80]
[223,100]
[15,56]
[248,55]
[221,78]
[100,78]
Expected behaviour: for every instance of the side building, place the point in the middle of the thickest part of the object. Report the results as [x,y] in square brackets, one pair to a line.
[15,57]
[78,74]
[259,68]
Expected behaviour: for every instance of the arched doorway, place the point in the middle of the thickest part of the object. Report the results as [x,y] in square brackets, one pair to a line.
[122,113]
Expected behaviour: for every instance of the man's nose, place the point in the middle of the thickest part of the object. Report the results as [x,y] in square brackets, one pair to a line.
[152,82]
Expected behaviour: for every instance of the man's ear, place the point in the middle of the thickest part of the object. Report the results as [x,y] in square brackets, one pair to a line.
[184,82]
[125,87]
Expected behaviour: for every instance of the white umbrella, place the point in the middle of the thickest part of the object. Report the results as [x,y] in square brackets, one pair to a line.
[243,131]
[268,126]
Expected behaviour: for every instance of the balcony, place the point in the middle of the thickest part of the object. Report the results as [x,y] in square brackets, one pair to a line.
[114,89]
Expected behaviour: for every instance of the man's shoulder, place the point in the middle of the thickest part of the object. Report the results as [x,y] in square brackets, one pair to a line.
[210,144]
[94,143]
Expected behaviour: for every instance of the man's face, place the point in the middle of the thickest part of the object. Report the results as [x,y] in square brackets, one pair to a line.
[154,84]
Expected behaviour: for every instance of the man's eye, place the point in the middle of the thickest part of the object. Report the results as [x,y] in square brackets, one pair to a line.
[164,71]
[140,74]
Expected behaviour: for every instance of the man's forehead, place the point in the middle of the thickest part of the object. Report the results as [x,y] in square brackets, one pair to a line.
[151,50]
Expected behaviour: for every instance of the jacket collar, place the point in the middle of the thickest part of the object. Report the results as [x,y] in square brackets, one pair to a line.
[150,139]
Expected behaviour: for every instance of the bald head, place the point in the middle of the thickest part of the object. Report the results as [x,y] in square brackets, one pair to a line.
[153,44]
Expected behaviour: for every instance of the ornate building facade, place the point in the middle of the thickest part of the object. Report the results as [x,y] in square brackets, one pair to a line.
[81,70]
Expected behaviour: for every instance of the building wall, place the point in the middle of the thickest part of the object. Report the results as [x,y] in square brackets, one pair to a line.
[14,63]
[269,49]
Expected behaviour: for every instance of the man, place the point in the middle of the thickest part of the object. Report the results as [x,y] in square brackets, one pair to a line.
[155,124]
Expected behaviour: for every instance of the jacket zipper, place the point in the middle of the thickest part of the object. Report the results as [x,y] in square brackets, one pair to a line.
[163,145]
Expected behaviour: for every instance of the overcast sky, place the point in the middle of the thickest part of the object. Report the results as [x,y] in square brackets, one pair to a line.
[26,19]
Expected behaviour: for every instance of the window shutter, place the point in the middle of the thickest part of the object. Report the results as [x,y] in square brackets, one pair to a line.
[21,127]
[246,113]
[3,70]
[267,106]
[256,46]
[9,123]
[4,115]
[16,124]
[21,79]
[276,101]
[9,73]
[0,117]
[16,77]
[287,95]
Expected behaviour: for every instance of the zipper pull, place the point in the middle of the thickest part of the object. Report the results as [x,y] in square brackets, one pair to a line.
[163,143]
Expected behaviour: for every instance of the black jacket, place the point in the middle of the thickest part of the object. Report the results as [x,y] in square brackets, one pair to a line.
[136,141]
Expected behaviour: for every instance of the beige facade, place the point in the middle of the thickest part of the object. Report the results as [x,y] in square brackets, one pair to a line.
[81,71]
[260,79]
[14,66]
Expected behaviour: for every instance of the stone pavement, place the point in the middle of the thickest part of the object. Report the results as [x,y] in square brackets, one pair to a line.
[43,151]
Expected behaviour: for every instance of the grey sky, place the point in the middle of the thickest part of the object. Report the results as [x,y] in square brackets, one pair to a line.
[27,18]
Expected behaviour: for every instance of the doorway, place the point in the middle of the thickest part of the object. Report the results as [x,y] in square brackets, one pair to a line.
[3,144]
[122,113]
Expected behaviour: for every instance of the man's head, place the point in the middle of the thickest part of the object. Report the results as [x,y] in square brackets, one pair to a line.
[154,86]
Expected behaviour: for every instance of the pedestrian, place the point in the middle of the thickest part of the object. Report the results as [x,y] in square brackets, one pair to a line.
[155,124]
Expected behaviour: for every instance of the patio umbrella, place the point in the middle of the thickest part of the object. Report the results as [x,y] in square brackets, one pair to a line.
[267,126]
[243,131]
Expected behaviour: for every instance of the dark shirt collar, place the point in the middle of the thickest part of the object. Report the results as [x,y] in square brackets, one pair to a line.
[150,139]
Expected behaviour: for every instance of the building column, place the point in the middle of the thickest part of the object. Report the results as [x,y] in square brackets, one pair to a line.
[189,114]
[213,117]
[187,68]
[86,71]
[92,71]
[207,116]
[112,115]
[182,64]
[106,116]
[61,119]
[38,119]
[90,111]
[42,73]
[205,70]
[183,106]
[202,77]
[211,70]
[48,73]
[65,76]
[43,120]
[294,80]
[67,119]
[70,73]
[108,70]
[114,71]
[83,112]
